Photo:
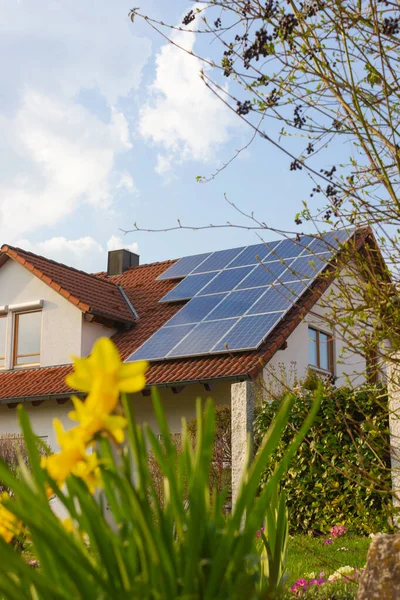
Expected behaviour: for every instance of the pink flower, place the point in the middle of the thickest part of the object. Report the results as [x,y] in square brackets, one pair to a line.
[33,563]
[328,541]
[338,530]
[258,534]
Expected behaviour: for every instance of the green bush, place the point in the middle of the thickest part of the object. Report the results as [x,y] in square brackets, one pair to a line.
[341,473]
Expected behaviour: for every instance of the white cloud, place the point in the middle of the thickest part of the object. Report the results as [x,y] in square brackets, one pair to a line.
[182,115]
[61,158]
[83,253]
[117,243]
[59,149]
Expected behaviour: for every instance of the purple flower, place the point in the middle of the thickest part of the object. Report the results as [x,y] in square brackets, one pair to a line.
[328,541]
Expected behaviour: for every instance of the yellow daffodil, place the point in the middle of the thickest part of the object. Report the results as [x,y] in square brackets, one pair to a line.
[104,377]
[68,524]
[10,526]
[73,450]
[91,420]
[89,471]
[104,373]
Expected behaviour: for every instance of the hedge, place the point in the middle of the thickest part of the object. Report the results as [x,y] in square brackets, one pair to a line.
[341,473]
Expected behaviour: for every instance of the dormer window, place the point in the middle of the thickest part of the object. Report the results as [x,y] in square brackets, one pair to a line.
[27,338]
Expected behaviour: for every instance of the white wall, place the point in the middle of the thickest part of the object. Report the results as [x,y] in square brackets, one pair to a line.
[64,331]
[179,405]
[92,332]
[61,320]
[348,366]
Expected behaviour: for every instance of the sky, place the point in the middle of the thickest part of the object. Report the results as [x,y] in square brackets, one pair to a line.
[104,125]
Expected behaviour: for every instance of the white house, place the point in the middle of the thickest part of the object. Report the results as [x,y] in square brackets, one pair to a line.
[49,311]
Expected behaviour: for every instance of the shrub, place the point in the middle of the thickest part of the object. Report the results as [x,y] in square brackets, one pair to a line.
[183,547]
[13,451]
[220,473]
[341,474]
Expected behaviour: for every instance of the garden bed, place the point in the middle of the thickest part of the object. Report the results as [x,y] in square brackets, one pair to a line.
[310,559]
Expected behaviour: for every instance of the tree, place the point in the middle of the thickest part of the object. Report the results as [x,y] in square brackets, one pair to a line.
[323,78]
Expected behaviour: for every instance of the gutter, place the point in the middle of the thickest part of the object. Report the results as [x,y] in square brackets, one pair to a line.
[26,399]
[233,378]
[128,302]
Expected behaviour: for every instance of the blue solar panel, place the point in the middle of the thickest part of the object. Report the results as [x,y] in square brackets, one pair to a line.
[196,309]
[250,254]
[329,242]
[218,260]
[188,288]
[226,280]
[184,266]
[287,249]
[264,274]
[248,333]
[279,297]
[306,267]
[160,343]
[202,339]
[235,304]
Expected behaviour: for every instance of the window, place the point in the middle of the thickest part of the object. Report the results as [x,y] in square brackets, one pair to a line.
[27,334]
[3,327]
[320,350]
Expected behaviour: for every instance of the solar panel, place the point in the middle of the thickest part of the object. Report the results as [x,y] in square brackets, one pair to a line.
[250,254]
[160,343]
[248,333]
[202,339]
[264,274]
[196,309]
[330,241]
[226,280]
[287,249]
[306,267]
[234,301]
[188,288]
[279,297]
[218,260]
[235,304]
[184,266]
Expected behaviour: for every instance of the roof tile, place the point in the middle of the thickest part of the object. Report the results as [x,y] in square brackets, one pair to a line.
[90,293]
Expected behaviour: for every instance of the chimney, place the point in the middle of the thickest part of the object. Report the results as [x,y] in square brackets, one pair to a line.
[121,260]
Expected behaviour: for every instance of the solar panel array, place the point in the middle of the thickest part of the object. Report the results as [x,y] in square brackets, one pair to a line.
[236,296]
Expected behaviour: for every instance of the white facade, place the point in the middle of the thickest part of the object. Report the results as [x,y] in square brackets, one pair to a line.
[292,363]
[64,332]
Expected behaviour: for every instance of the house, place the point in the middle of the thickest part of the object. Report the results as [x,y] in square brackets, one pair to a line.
[49,311]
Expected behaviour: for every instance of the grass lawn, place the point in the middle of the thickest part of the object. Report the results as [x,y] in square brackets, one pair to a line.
[309,555]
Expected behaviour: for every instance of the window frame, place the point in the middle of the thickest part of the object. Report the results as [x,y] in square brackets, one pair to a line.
[15,341]
[3,358]
[331,365]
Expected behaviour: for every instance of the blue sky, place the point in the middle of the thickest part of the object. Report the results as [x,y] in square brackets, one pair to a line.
[104,125]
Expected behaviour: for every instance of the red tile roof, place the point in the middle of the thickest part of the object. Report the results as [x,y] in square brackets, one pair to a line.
[92,295]
[144,291]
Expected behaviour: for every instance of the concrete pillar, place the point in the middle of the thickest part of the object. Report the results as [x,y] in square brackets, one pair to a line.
[394,424]
[242,415]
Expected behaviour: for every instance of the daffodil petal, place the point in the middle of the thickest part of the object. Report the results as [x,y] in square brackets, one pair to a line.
[105,355]
[131,369]
[134,384]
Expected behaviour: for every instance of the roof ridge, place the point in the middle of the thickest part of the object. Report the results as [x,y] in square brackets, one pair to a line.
[135,267]
[55,262]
